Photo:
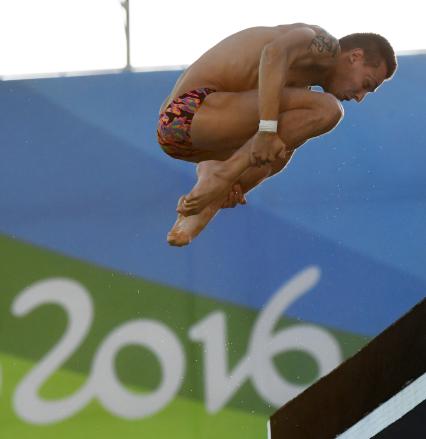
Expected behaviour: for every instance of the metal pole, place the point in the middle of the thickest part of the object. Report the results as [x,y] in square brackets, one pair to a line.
[125,4]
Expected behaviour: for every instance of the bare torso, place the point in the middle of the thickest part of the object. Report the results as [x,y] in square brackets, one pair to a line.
[233,64]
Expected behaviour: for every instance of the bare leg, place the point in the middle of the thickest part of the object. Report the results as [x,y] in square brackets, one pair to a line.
[186,229]
[216,177]
[214,181]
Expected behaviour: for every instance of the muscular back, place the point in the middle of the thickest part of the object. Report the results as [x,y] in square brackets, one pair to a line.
[233,64]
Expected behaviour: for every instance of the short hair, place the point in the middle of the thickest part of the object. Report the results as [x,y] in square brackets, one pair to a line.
[376,48]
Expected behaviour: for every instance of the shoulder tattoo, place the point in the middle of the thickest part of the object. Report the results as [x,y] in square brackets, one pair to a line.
[324,44]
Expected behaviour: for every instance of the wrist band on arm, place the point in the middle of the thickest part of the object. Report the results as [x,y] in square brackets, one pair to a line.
[269,126]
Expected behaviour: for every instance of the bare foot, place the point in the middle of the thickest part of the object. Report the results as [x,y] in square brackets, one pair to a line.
[211,185]
[186,229]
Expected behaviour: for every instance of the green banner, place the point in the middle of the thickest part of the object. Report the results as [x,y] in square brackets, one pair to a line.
[87,349]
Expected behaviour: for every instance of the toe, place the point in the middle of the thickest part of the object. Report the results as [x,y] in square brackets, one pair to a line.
[178,239]
[189,203]
[182,206]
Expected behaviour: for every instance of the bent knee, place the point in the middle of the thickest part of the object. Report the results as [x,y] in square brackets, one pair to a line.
[331,110]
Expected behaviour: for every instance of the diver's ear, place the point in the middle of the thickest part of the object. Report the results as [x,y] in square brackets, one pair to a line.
[356,55]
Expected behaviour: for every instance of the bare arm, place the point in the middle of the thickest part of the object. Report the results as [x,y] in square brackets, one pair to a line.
[304,45]
[311,45]
[275,61]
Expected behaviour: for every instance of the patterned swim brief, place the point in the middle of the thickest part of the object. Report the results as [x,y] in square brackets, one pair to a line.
[174,125]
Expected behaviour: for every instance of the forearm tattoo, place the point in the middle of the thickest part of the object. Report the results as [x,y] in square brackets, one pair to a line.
[324,44]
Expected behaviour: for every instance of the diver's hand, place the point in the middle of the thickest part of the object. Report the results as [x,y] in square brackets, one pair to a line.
[235,196]
[266,147]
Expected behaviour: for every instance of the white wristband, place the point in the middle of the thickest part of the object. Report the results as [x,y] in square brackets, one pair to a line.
[268,125]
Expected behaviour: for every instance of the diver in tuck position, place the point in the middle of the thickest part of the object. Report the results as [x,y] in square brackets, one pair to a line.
[243,108]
